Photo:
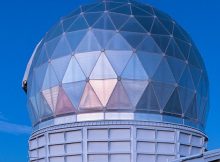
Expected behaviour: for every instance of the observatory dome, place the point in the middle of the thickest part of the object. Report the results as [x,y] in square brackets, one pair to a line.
[118,57]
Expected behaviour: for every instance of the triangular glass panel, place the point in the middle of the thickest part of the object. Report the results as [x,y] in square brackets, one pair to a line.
[150,61]
[44,109]
[191,113]
[89,100]
[134,89]
[34,116]
[118,59]
[74,91]
[103,89]
[145,7]
[162,41]
[161,14]
[134,70]
[125,9]
[67,22]
[184,47]
[38,77]
[186,79]
[92,18]
[118,19]
[148,101]
[163,93]
[196,74]
[60,66]
[177,66]
[51,45]
[87,61]
[104,23]
[146,22]
[158,28]
[163,73]
[98,8]
[203,86]
[79,24]
[173,50]
[119,99]
[186,96]
[43,57]
[64,105]
[50,79]
[149,45]
[178,33]
[74,72]
[132,25]
[173,106]
[103,36]
[112,5]
[134,39]
[55,31]
[89,43]
[86,8]
[74,38]
[62,48]
[168,24]
[33,103]
[139,11]
[193,58]
[51,96]
[103,69]
[118,43]
[74,13]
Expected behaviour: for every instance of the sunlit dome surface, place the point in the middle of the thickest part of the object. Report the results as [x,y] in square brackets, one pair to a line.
[118,56]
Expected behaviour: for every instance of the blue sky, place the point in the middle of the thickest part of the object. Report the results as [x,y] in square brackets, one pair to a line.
[24,22]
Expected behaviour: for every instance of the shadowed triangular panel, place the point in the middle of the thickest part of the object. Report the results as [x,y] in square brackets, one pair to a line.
[119,99]
[173,106]
[148,101]
[191,112]
[132,25]
[92,18]
[150,61]
[177,67]
[118,19]
[134,89]
[163,73]
[163,92]
[186,96]
[134,39]
[79,24]
[104,23]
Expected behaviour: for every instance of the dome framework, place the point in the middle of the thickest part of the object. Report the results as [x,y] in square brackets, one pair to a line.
[118,56]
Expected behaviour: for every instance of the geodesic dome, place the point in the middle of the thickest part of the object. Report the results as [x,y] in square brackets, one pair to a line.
[118,56]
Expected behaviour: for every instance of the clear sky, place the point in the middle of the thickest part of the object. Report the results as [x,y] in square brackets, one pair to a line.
[23,24]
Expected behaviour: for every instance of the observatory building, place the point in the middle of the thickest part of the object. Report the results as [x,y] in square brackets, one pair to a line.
[117,81]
